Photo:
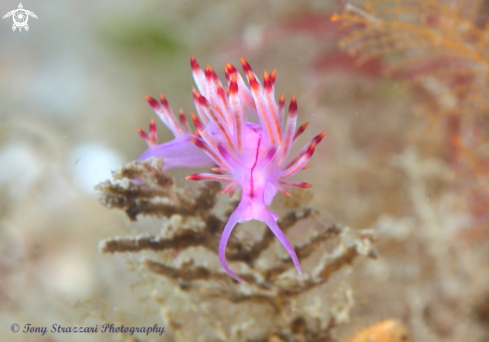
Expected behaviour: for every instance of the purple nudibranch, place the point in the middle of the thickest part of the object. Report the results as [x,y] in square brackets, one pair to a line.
[254,156]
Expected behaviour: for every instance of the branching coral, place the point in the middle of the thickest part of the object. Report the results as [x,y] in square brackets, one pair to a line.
[183,257]
[141,188]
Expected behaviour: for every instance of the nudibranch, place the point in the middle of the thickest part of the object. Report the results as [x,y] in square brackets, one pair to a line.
[252,154]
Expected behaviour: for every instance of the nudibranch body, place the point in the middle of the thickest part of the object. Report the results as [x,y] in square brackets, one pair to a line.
[252,155]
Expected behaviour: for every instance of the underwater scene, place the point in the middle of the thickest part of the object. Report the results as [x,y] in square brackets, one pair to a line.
[260,170]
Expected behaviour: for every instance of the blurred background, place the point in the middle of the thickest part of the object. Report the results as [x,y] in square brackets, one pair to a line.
[72,94]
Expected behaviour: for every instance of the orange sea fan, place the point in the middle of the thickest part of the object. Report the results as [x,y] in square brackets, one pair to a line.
[438,47]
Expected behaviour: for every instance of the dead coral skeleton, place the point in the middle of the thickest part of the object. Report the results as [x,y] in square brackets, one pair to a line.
[184,255]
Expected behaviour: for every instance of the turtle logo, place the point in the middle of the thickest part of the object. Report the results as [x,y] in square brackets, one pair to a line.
[20,16]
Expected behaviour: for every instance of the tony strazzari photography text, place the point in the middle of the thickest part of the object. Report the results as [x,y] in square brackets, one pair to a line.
[104,328]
